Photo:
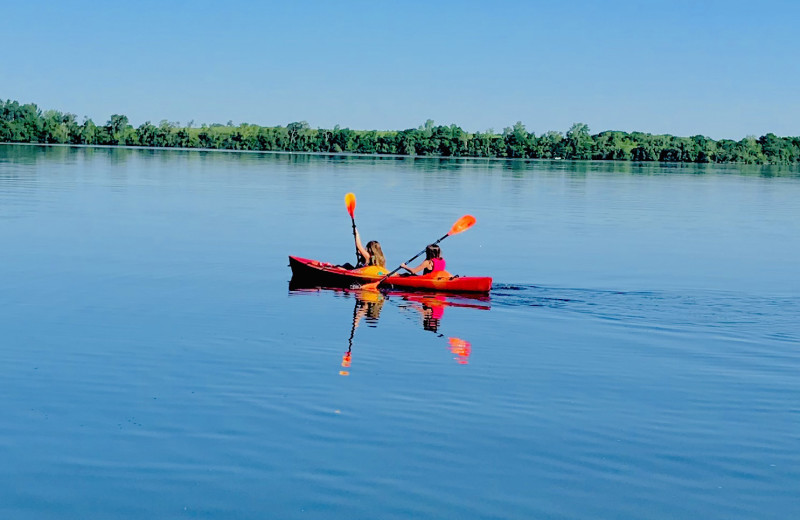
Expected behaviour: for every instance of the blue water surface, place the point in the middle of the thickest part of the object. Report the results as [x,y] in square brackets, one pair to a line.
[637,358]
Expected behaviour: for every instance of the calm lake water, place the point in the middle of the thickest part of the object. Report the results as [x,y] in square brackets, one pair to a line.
[638,356]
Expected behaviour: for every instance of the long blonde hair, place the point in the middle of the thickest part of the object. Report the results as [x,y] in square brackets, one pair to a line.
[375,254]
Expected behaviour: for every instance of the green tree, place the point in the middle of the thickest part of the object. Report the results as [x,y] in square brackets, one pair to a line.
[551,145]
[53,128]
[296,133]
[88,132]
[748,151]
[517,141]
[579,142]
[407,142]
[23,123]
[27,123]
[147,134]
[777,150]
[613,145]
[116,128]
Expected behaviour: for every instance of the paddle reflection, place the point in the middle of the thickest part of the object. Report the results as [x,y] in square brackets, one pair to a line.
[461,349]
[429,309]
[367,306]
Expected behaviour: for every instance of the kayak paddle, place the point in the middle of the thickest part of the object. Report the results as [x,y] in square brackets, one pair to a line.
[350,204]
[462,224]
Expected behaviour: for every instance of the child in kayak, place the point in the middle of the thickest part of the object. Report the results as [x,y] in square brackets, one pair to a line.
[370,255]
[433,261]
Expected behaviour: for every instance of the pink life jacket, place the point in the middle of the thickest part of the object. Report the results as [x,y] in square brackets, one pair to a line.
[438,264]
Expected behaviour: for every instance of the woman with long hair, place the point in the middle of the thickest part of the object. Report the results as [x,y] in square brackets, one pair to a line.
[372,254]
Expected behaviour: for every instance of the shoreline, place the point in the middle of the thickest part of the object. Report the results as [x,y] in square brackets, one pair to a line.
[390,156]
[323,154]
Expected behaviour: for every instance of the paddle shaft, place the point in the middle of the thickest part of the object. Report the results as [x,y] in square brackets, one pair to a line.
[410,260]
[358,255]
[352,328]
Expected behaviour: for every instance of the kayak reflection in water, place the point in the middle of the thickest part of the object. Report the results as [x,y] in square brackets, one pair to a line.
[430,307]
[425,307]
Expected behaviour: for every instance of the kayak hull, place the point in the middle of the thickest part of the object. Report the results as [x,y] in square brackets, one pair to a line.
[307,271]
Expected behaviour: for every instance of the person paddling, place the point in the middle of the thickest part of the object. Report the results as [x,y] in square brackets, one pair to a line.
[433,261]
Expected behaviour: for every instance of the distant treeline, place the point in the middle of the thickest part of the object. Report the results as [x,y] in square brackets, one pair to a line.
[28,124]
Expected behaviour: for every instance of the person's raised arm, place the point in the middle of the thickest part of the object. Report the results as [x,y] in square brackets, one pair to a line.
[362,311]
[361,250]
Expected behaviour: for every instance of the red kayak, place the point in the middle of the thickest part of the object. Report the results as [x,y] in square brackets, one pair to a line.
[314,272]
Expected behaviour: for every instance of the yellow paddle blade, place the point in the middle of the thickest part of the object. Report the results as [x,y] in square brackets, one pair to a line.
[462,224]
[350,202]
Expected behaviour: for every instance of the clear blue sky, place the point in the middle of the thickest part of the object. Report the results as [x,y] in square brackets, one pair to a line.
[725,69]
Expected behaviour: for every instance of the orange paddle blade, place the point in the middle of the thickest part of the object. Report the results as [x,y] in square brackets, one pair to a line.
[371,286]
[462,224]
[350,202]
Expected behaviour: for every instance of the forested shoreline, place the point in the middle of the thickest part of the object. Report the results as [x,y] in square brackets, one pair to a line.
[27,123]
